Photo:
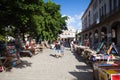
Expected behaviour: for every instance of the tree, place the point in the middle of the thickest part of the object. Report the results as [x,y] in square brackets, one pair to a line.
[54,22]
[36,17]
[19,13]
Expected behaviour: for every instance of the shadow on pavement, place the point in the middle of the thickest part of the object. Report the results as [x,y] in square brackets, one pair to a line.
[53,55]
[78,57]
[84,68]
[83,72]
[81,59]
[82,75]
[24,64]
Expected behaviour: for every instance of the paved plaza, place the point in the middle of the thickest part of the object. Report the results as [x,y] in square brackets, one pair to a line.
[44,66]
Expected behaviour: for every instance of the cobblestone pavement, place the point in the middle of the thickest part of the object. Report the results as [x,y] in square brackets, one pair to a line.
[44,66]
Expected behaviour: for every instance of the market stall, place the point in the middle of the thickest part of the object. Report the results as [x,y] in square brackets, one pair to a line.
[104,70]
[80,49]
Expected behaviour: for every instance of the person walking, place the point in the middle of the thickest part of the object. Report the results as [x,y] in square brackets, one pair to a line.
[72,46]
[57,48]
[62,48]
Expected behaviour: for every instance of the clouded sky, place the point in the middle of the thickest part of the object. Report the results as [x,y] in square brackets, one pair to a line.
[74,9]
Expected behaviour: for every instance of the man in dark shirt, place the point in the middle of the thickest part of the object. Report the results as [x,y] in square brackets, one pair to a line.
[57,47]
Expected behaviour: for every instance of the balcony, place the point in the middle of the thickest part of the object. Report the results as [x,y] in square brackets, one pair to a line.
[105,18]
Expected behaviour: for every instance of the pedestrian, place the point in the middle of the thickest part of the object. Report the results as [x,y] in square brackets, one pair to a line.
[57,48]
[71,46]
[62,48]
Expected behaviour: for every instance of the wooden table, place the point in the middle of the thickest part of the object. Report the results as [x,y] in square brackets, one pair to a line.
[80,49]
[88,52]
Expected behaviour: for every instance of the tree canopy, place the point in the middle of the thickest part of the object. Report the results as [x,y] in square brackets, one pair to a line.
[36,17]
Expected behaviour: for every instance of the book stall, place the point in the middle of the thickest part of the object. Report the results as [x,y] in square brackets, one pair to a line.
[80,49]
[93,54]
[14,54]
[107,74]
[105,62]
[104,70]
[100,54]
[87,53]
[9,56]
[110,54]
[31,49]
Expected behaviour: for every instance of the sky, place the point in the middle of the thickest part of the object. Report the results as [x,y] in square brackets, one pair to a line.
[74,9]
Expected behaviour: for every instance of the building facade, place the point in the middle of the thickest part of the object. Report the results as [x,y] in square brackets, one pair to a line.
[101,22]
[67,34]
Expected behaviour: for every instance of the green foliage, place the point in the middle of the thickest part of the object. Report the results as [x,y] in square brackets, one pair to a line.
[2,38]
[35,17]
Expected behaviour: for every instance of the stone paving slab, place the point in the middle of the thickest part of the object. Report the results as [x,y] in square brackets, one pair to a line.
[44,66]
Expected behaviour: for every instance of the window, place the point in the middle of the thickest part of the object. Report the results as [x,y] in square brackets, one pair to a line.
[89,17]
[99,1]
[119,2]
[96,15]
[102,11]
[89,13]
[93,17]
[115,4]
[105,9]
[95,4]
[110,5]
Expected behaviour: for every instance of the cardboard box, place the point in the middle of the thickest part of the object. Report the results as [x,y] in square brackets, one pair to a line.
[109,74]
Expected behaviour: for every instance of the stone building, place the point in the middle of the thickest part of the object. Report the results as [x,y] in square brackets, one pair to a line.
[67,34]
[101,22]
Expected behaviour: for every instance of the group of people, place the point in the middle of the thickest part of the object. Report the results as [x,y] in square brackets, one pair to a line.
[59,46]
